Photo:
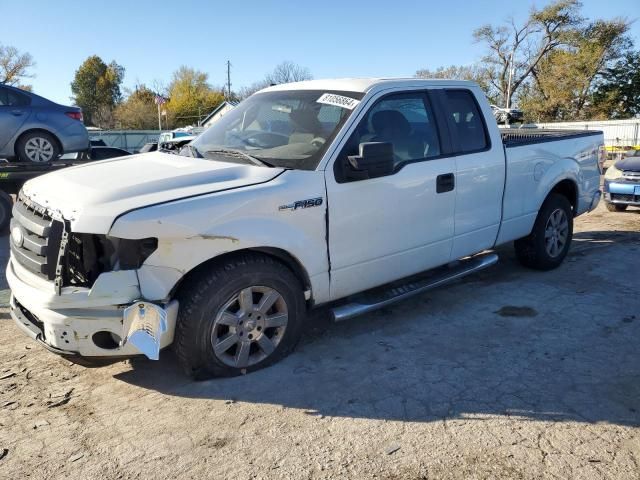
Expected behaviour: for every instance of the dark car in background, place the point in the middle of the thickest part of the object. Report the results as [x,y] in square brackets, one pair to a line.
[507,115]
[149,147]
[34,129]
[96,152]
[622,183]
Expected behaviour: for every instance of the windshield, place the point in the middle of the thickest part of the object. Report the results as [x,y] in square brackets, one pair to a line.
[290,129]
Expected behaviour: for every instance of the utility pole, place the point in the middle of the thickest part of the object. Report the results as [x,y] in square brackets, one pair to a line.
[511,72]
[508,102]
[228,80]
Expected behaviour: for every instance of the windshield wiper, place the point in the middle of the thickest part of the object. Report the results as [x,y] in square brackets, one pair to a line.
[232,152]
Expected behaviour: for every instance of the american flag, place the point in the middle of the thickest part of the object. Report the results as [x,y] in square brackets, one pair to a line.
[160,100]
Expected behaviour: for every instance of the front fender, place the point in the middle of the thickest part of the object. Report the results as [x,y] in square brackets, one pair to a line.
[193,231]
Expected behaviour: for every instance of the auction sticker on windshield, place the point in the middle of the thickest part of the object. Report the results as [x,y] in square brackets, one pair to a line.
[338,101]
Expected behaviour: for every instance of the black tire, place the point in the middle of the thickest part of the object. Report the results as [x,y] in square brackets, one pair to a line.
[203,298]
[24,151]
[6,205]
[532,250]
[612,207]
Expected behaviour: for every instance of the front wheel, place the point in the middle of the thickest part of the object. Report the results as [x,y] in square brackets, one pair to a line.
[612,207]
[237,317]
[548,243]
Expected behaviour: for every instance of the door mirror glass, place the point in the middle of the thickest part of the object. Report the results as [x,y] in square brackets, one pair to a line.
[375,159]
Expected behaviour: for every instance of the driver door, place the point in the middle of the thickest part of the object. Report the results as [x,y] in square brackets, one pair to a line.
[386,228]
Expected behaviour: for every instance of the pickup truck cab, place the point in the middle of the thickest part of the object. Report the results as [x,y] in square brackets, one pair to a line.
[348,194]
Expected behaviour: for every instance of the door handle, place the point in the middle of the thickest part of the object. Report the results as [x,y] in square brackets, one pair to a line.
[445,182]
[16,113]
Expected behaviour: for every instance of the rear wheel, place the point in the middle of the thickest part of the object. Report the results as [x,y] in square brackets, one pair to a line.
[612,207]
[548,243]
[237,317]
[39,147]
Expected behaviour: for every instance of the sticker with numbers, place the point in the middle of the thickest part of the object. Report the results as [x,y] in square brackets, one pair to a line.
[338,101]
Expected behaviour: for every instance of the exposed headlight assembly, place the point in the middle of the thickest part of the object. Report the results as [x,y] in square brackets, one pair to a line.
[88,255]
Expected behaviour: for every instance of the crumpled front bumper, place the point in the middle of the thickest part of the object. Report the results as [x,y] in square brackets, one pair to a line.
[83,322]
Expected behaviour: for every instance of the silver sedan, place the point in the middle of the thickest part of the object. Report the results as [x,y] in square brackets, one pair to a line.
[35,129]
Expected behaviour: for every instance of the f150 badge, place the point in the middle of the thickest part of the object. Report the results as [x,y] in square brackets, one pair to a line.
[298,204]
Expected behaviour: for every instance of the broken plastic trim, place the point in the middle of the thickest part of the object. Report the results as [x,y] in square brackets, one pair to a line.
[143,325]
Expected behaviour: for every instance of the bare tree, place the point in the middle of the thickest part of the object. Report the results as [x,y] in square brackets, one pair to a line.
[516,50]
[287,72]
[14,65]
[475,72]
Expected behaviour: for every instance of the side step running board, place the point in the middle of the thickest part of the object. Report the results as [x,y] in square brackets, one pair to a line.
[394,292]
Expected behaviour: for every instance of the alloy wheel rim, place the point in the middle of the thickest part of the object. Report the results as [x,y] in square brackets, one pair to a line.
[249,326]
[39,149]
[556,232]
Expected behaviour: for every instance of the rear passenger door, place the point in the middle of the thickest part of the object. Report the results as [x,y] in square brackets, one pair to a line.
[14,110]
[480,173]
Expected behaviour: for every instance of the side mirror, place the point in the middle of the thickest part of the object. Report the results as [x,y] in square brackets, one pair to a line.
[375,160]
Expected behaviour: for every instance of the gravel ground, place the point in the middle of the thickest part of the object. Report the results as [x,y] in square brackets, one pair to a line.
[507,374]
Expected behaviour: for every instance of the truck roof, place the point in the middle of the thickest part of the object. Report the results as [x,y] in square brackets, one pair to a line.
[365,84]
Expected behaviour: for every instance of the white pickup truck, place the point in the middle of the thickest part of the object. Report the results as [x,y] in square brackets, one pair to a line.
[348,194]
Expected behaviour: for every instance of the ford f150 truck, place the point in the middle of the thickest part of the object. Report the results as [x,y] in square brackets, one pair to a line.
[348,194]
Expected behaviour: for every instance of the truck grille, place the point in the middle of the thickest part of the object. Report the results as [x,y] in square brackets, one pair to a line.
[35,238]
[35,243]
[631,176]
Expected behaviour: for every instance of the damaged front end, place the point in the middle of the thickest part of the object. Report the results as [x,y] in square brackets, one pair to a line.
[79,292]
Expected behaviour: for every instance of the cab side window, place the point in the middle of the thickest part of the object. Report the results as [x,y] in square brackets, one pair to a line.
[404,120]
[466,121]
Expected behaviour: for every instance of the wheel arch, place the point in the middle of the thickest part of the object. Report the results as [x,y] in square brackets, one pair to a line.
[280,255]
[34,130]
[569,189]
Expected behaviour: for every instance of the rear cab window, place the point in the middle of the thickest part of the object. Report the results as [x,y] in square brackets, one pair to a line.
[466,122]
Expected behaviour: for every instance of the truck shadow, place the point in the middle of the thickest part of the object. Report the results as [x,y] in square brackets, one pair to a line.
[557,346]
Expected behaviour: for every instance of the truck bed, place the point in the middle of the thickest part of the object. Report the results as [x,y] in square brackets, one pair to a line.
[512,137]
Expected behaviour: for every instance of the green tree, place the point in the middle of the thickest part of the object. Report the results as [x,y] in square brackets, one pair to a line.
[96,89]
[138,111]
[564,80]
[617,94]
[14,66]
[191,97]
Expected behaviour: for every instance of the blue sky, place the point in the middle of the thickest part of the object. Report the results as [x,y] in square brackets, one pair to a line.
[332,38]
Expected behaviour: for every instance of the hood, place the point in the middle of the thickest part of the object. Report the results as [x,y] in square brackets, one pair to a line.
[93,195]
[629,163]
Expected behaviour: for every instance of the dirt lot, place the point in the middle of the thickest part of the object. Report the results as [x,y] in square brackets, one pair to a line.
[507,374]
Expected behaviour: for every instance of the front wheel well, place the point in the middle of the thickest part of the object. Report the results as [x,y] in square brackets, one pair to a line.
[278,254]
[568,189]
[35,130]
